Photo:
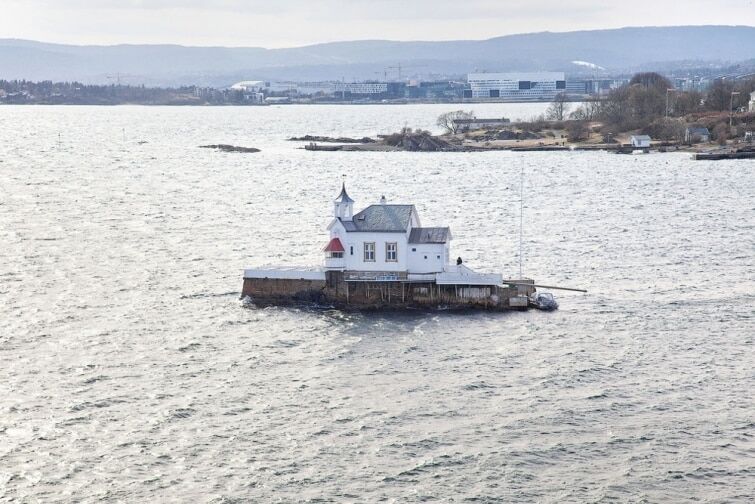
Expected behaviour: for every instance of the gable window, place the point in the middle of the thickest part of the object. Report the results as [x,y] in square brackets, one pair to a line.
[391,252]
[369,251]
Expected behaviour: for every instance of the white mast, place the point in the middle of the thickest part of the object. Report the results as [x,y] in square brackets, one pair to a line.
[521,220]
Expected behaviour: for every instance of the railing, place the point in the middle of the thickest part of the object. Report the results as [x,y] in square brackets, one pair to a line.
[374,276]
[461,274]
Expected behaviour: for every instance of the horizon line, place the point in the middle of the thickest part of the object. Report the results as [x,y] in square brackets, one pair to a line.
[333,42]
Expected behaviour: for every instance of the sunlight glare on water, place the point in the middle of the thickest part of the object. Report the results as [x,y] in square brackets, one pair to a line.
[131,371]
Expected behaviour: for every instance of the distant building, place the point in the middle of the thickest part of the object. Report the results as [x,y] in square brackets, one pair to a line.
[577,88]
[250,91]
[249,86]
[752,101]
[640,141]
[475,123]
[696,134]
[434,89]
[540,86]
[369,90]
[307,88]
[603,86]
[362,88]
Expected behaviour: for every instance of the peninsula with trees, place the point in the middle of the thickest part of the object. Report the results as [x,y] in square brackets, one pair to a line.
[648,108]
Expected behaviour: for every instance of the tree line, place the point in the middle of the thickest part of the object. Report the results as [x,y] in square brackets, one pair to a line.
[49,92]
[650,103]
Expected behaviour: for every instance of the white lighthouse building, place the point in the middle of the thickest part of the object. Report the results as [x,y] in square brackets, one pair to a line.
[382,257]
[384,240]
[383,244]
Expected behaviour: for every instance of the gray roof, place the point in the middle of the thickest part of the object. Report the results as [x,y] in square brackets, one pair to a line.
[642,137]
[698,130]
[381,218]
[429,235]
[475,120]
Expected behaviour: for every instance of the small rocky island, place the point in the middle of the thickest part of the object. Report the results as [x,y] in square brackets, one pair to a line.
[229,148]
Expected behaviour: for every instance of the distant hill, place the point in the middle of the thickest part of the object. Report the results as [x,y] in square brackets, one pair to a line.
[616,50]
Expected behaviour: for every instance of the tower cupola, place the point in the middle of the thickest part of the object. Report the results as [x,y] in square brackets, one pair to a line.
[343,205]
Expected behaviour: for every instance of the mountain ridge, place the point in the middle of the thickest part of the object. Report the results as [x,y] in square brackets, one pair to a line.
[621,49]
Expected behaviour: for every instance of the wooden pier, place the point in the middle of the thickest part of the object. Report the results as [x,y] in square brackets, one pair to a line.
[748,153]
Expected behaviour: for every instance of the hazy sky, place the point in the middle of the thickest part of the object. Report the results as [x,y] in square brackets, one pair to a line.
[284,23]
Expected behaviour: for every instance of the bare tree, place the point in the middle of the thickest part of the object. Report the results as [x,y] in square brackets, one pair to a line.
[448,120]
[721,133]
[687,103]
[718,95]
[591,109]
[651,80]
[559,108]
[577,130]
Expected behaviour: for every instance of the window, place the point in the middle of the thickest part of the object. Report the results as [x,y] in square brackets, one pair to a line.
[351,249]
[414,249]
[336,255]
[391,252]
[369,252]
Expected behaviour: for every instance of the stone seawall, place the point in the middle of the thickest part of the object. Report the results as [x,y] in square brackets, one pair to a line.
[284,291]
[374,295]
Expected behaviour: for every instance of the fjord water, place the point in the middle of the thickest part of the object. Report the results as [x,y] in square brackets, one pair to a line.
[129,370]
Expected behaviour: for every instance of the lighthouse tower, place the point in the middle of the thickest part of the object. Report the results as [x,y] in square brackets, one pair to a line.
[343,205]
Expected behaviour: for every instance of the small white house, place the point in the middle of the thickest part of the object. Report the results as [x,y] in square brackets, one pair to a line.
[640,141]
[752,101]
[696,134]
[384,238]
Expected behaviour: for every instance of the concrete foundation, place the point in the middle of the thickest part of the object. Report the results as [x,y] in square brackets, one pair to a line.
[375,295]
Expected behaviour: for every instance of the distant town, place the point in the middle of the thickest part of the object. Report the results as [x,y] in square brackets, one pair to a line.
[474,88]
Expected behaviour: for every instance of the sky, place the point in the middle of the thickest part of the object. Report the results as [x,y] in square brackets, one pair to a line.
[289,23]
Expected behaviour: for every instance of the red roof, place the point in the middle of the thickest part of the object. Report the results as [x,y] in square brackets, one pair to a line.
[334,246]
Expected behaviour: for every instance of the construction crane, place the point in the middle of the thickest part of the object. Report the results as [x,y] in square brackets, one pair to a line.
[399,67]
[117,77]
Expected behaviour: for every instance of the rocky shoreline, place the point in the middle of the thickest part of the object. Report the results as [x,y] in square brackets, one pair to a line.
[522,140]
[229,148]
[327,139]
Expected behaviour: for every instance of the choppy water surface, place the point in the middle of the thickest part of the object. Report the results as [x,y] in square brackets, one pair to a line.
[130,371]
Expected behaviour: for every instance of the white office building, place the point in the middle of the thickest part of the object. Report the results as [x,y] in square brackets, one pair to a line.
[362,88]
[534,86]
